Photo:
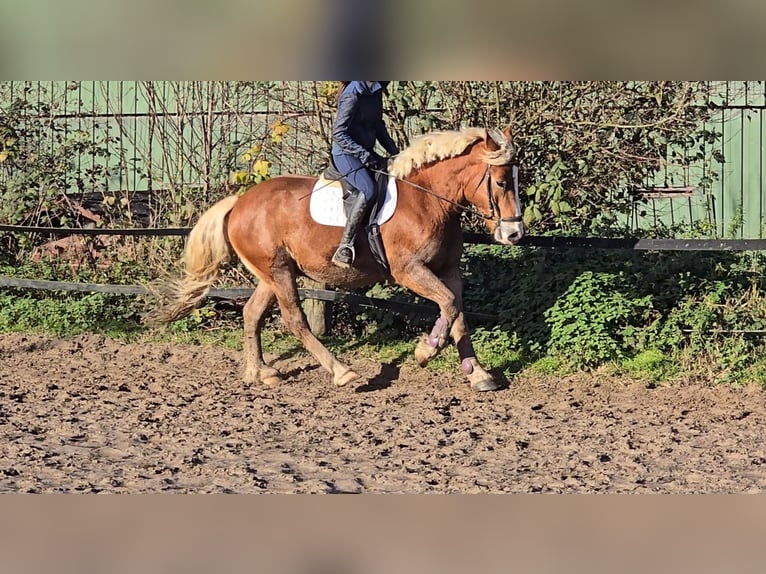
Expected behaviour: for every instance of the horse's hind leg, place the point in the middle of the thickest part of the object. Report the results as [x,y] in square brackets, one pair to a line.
[295,320]
[255,369]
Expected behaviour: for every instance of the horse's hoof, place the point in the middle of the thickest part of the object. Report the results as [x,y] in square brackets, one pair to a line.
[270,377]
[484,384]
[271,381]
[424,352]
[346,378]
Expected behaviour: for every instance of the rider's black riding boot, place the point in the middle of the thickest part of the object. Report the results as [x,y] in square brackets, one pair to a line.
[344,255]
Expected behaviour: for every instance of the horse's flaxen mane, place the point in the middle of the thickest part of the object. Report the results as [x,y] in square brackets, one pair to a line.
[436,146]
[432,147]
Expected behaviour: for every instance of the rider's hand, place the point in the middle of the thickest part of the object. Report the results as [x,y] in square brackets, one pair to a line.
[376,162]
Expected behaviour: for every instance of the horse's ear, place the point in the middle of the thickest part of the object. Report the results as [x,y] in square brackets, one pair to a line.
[507,133]
[493,141]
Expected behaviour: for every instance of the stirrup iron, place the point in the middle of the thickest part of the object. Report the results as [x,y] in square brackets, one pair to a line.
[344,262]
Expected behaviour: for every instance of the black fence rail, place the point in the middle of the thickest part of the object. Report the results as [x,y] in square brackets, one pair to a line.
[233,293]
[469,238]
[360,300]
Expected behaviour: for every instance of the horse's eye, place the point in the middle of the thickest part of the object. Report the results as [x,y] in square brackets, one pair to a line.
[500,184]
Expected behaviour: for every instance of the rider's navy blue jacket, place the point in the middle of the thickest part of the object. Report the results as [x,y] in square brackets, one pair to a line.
[359,122]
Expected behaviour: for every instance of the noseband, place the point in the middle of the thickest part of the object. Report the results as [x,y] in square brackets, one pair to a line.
[493,206]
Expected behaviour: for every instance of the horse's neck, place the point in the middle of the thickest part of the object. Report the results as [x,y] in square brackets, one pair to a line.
[450,180]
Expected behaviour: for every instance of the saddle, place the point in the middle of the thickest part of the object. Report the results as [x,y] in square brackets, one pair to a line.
[381,181]
[371,227]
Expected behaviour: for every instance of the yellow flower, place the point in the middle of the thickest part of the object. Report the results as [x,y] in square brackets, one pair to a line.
[261,167]
[278,130]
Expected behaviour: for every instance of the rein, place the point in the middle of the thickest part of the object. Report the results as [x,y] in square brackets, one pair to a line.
[493,206]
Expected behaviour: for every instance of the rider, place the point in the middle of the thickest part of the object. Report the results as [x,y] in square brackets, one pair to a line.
[358,125]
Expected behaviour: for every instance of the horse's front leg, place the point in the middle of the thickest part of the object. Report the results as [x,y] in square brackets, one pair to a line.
[447,292]
[478,378]
[418,278]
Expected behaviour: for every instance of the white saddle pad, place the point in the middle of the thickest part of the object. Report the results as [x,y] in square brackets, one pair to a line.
[326,204]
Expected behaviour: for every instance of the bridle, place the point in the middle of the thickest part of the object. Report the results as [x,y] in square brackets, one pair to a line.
[493,206]
[492,202]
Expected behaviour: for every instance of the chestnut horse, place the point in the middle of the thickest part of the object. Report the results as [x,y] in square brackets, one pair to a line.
[271,231]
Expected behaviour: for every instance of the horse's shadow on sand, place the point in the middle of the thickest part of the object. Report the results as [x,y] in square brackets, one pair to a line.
[389,372]
[503,382]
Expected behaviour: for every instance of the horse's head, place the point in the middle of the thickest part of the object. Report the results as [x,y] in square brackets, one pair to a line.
[504,217]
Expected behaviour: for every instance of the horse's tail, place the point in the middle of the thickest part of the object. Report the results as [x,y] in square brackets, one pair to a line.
[206,249]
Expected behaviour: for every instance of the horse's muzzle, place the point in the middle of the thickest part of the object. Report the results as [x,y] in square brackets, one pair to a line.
[509,232]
